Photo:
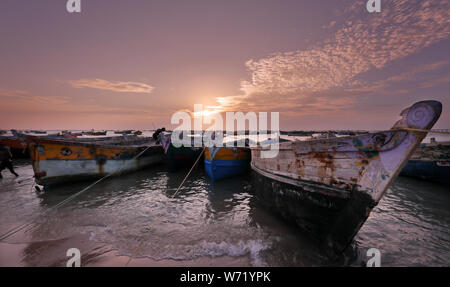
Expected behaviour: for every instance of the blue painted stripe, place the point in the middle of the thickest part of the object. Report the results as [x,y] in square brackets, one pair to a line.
[428,170]
[220,169]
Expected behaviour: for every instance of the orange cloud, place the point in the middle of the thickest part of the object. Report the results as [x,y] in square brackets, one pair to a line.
[123,87]
[325,77]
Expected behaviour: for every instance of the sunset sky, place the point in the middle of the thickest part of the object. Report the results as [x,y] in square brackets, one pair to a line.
[132,64]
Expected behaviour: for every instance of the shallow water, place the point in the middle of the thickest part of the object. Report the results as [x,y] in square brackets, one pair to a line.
[137,216]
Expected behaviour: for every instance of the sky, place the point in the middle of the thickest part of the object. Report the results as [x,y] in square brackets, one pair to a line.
[133,64]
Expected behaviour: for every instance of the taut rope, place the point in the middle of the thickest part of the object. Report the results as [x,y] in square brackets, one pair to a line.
[422,131]
[28,223]
[187,175]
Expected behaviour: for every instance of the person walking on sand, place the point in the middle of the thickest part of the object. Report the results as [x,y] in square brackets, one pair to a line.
[5,160]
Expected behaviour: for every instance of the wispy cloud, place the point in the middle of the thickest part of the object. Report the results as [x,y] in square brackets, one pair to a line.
[327,76]
[24,98]
[118,86]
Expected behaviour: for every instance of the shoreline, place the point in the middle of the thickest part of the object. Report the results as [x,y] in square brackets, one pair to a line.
[52,253]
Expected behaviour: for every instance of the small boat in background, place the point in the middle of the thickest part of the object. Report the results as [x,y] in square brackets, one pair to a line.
[125,132]
[224,162]
[430,162]
[58,161]
[38,132]
[94,133]
[329,186]
[178,157]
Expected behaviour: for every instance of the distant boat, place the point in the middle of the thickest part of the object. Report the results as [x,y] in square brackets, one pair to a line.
[38,132]
[58,161]
[430,162]
[178,157]
[329,186]
[125,132]
[94,133]
[224,162]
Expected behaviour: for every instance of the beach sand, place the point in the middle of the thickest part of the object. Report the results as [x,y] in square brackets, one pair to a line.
[52,253]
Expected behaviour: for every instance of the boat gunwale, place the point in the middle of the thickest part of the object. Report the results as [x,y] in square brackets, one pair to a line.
[30,139]
[286,145]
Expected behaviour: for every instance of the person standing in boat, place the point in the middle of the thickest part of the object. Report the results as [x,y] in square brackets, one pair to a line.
[156,134]
[5,160]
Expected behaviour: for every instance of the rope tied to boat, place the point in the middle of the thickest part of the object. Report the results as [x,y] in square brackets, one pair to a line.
[187,175]
[172,197]
[420,131]
[30,222]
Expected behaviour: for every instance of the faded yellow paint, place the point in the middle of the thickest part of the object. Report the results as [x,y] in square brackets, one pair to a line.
[77,152]
[229,154]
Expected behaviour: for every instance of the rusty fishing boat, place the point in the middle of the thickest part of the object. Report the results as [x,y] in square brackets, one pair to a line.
[430,161]
[328,187]
[58,161]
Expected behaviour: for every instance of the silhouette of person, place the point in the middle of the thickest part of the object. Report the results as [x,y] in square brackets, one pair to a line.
[5,159]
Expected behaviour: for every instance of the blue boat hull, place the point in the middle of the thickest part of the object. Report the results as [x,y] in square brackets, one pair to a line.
[427,170]
[220,169]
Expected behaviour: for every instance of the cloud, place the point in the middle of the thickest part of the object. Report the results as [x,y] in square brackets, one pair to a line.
[330,25]
[123,87]
[326,77]
[411,75]
[435,82]
[24,98]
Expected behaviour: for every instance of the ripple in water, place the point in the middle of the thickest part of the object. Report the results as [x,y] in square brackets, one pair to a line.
[137,216]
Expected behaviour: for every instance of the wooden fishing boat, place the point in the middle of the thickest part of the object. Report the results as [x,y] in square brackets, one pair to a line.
[60,161]
[329,186]
[124,132]
[38,132]
[225,162]
[430,162]
[95,133]
[178,157]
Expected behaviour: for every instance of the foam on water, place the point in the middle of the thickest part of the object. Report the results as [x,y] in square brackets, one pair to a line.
[135,215]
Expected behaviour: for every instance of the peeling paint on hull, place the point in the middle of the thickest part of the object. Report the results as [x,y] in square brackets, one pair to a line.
[56,161]
[329,187]
[62,171]
[333,220]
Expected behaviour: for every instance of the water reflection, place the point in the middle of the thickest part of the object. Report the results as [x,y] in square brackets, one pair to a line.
[410,226]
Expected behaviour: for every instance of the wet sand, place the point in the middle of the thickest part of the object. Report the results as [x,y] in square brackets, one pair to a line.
[208,224]
[53,254]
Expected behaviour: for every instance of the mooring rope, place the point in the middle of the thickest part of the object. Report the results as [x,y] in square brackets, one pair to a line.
[172,197]
[187,175]
[422,131]
[28,223]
